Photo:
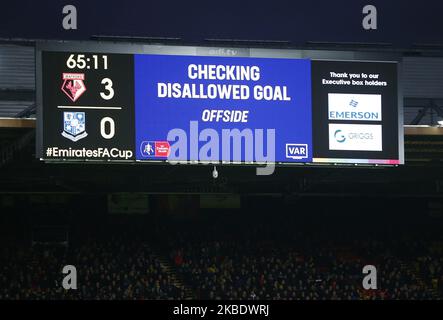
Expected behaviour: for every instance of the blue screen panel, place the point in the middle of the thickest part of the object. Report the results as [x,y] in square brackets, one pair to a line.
[196,108]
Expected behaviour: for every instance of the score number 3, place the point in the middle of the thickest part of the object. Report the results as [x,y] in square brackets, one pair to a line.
[108,87]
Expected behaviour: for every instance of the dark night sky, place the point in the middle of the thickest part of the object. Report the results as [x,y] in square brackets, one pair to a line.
[399,22]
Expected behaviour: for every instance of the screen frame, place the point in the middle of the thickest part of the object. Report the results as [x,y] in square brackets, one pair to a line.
[214,51]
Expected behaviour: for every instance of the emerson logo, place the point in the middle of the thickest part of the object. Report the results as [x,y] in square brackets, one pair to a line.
[353,103]
[354,107]
[297,151]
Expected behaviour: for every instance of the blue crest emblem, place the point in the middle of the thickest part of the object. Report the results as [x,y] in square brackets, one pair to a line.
[74,125]
[147,148]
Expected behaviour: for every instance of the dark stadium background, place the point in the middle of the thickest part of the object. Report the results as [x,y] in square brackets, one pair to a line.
[328,222]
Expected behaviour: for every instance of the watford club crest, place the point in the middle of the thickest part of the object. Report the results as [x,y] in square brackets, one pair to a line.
[73,85]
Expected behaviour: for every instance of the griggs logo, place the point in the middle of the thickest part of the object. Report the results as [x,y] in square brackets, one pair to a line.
[338,135]
[341,138]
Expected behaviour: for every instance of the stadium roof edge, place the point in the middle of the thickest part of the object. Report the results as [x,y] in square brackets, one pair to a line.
[17,123]
[423,131]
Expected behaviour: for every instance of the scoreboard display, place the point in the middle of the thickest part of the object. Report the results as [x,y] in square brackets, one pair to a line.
[181,106]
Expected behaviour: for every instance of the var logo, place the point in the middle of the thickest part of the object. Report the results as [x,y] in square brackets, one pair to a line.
[296,151]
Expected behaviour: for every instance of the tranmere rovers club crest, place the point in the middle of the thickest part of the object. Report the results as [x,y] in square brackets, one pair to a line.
[74,125]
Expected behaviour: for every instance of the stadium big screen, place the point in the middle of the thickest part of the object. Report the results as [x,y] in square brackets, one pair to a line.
[147,103]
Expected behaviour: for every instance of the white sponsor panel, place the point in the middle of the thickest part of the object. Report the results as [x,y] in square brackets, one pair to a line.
[355,137]
[354,107]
